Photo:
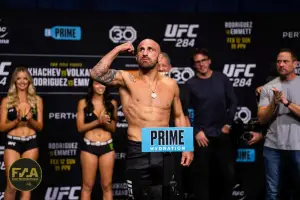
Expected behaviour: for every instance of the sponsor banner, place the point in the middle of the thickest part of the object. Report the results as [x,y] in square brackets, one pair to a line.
[181,35]
[55,74]
[243,113]
[238,34]
[4,33]
[60,50]
[240,74]
[63,192]
[64,32]
[181,74]
[167,139]
[245,155]
[62,156]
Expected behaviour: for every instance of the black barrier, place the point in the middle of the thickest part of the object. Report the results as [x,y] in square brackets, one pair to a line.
[59,48]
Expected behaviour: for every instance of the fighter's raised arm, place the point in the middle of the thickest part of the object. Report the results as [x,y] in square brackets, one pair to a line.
[102,73]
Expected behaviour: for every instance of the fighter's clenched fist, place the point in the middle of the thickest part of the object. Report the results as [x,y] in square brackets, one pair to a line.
[126,47]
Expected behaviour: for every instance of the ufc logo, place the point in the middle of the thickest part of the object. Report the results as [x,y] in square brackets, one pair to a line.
[235,70]
[177,30]
[12,143]
[58,193]
[2,68]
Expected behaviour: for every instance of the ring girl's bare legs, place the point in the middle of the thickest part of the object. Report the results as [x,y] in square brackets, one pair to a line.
[106,167]
[32,154]
[10,156]
[89,163]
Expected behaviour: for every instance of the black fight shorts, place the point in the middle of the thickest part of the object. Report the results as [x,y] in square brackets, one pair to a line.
[144,173]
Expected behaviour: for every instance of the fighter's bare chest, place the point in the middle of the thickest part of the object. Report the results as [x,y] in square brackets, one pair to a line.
[159,97]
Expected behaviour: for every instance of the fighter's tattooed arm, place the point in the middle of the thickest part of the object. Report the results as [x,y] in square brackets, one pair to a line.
[103,74]
[101,71]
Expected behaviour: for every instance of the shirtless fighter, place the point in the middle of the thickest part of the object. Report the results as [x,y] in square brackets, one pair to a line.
[147,98]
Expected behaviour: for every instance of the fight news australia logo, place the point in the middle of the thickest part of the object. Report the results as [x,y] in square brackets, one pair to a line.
[167,139]
[239,74]
[184,35]
[3,33]
[25,174]
[63,32]
[122,34]
[3,72]
[60,193]
[181,75]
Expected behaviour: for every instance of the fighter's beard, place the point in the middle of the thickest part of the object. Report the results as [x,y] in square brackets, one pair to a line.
[146,69]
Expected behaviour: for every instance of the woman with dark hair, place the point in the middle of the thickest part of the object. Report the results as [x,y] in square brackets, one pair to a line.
[97,117]
[21,117]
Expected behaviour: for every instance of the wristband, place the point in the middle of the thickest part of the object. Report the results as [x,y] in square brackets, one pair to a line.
[288,103]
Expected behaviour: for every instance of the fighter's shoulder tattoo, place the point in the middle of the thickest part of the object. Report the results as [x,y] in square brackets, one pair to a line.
[131,77]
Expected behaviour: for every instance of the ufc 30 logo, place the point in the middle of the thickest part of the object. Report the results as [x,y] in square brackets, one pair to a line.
[243,113]
[58,193]
[183,34]
[239,74]
[181,75]
[122,34]
[3,73]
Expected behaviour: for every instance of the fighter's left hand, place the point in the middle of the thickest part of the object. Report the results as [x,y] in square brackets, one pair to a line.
[187,158]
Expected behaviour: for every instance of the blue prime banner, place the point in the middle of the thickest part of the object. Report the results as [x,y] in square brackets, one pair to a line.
[245,155]
[167,139]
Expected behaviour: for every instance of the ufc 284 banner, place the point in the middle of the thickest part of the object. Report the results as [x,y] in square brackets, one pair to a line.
[59,48]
